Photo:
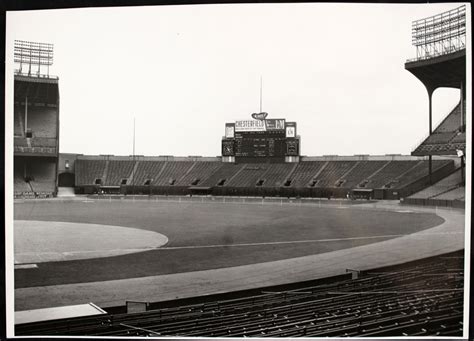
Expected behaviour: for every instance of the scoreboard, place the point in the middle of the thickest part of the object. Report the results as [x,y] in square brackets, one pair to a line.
[260,144]
[259,139]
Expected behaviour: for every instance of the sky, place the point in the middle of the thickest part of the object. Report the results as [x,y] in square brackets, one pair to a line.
[182,72]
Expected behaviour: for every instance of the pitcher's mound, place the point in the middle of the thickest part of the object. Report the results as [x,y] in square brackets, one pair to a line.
[50,241]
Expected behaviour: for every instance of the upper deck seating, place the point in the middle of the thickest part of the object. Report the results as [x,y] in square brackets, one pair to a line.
[18,129]
[445,138]
[42,121]
[43,142]
[459,138]
[438,138]
[20,142]
[452,122]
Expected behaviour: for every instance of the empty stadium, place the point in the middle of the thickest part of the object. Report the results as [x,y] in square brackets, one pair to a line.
[260,241]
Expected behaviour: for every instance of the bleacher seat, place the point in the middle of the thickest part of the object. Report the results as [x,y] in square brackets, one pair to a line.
[118,170]
[173,170]
[450,182]
[87,171]
[198,172]
[226,171]
[424,297]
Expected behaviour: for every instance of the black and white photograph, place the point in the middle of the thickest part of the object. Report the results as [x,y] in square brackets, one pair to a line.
[239,170]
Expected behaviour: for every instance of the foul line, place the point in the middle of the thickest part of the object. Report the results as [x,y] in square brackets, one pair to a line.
[291,242]
[278,243]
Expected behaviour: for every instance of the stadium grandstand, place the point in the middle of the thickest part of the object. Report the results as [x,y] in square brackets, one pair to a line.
[386,177]
[441,62]
[321,246]
[36,122]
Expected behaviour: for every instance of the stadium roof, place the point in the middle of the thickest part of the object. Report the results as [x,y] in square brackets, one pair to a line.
[444,71]
[39,89]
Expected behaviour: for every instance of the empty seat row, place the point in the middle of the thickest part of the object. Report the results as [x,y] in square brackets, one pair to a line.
[420,298]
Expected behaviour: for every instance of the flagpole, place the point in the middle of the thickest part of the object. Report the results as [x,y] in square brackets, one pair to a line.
[134,138]
[260,93]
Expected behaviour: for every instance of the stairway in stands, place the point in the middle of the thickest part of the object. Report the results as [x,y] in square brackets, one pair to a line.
[66,192]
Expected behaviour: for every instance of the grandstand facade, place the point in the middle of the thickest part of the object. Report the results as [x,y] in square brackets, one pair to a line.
[440,62]
[36,122]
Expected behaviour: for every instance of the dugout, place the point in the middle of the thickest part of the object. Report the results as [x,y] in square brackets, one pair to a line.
[200,190]
[362,193]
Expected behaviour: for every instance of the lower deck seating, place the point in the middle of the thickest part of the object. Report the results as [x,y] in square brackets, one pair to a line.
[390,172]
[34,178]
[450,182]
[362,171]
[276,174]
[198,172]
[249,175]
[222,175]
[305,172]
[172,172]
[423,297]
[458,193]
[419,171]
[87,171]
[267,176]
[146,171]
[118,170]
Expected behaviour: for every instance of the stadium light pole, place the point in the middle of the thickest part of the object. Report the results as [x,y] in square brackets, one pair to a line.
[133,156]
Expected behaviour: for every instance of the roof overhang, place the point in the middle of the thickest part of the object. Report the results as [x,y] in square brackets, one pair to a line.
[448,70]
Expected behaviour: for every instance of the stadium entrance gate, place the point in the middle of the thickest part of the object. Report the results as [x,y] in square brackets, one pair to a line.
[66,180]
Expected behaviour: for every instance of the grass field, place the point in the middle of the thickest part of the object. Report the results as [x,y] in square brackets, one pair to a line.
[212,235]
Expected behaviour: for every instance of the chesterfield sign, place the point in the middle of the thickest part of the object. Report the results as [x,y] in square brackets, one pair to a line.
[260,125]
[250,125]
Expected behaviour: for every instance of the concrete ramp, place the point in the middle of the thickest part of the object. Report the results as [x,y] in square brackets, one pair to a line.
[66,192]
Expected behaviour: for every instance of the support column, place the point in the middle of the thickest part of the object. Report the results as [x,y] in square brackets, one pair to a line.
[430,168]
[430,110]
[26,114]
[463,119]
[430,119]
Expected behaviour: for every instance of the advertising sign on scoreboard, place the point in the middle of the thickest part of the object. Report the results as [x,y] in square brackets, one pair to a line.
[249,125]
[275,124]
[229,130]
[290,129]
